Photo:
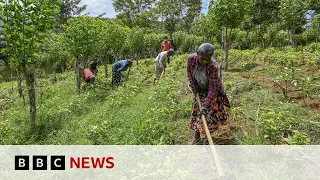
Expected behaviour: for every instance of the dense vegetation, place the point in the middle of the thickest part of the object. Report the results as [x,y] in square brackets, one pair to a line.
[268,51]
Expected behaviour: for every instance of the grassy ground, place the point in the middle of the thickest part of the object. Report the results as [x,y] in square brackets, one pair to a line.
[136,113]
[139,112]
[255,95]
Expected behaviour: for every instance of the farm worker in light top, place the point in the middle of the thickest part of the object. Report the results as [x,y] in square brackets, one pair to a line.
[161,62]
[203,78]
[165,46]
[117,68]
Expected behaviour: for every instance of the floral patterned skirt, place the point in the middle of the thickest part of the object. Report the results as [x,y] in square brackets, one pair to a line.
[216,116]
[116,78]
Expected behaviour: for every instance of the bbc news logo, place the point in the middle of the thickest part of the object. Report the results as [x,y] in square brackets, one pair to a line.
[59,162]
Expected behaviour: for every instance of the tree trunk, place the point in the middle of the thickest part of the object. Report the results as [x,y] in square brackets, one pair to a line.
[54,73]
[222,39]
[226,56]
[11,79]
[21,95]
[263,43]
[105,65]
[226,50]
[30,80]
[221,47]
[317,37]
[291,36]
[62,67]
[75,65]
[138,57]
[78,70]
[247,40]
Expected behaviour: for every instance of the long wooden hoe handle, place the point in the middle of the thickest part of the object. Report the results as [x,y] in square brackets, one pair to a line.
[213,149]
[204,121]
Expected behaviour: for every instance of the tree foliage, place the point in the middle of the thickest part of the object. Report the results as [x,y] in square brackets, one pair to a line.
[264,12]
[82,35]
[25,24]
[228,15]
[133,12]
[292,14]
[69,9]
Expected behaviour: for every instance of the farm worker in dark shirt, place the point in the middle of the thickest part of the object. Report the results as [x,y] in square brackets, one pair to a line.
[117,68]
[203,78]
[93,67]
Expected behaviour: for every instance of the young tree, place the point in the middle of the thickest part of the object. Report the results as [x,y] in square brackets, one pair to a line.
[248,26]
[25,23]
[170,12]
[132,12]
[56,52]
[292,13]
[112,39]
[192,10]
[69,9]
[203,26]
[228,14]
[316,25]
[263,13]
[148,20]
[82,36]
[151,43]
[135,42]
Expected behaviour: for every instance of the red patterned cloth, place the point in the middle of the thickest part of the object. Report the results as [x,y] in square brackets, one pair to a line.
[216,115]
[86,75]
